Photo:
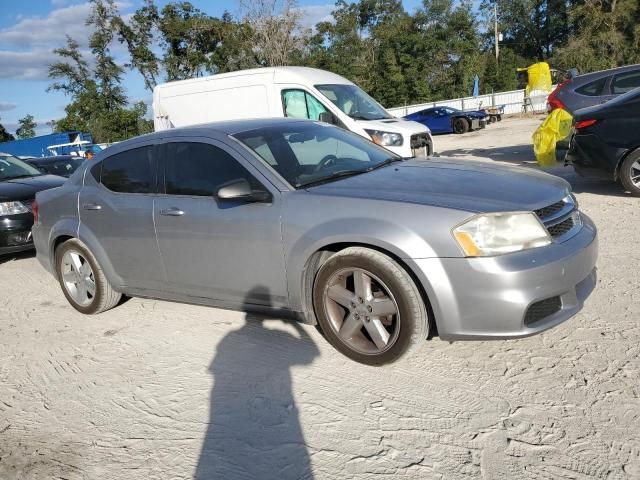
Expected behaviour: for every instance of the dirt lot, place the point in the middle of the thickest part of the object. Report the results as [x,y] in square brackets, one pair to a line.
[155,390]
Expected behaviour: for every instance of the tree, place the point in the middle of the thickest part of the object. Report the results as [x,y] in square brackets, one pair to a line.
[4,135]
[605,34]
[27,128]
[98,100]
[276,30]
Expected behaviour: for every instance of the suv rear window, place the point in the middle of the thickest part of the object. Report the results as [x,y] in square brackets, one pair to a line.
[592,89]
[625,82]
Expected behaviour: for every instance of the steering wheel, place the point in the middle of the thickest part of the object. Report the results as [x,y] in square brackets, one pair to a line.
[325,162]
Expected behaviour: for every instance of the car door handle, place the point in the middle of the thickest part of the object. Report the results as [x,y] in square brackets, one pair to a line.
[92,206]
[171,212]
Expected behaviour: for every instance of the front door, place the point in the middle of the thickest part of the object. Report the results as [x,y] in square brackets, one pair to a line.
[227,250]
[116,208]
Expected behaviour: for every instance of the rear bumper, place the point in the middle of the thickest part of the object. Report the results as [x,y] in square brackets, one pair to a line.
[15,233]
[488,298]
[591,157]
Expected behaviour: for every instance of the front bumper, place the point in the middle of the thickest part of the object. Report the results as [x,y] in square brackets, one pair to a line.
[15,233]
[488,298]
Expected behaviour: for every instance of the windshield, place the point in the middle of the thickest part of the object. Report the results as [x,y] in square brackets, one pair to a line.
[353,101]
[308,153]
[12,167]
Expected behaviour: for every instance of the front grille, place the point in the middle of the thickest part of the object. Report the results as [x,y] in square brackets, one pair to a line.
[421,140]
[561,219]
[561,228]
[550,210]
[542,309]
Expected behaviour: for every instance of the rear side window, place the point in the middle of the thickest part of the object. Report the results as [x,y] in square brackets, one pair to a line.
[625,82]
[129,172]
[200,169]
[592,89]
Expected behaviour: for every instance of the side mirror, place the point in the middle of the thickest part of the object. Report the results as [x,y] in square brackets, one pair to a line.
[241,190]
[327,117]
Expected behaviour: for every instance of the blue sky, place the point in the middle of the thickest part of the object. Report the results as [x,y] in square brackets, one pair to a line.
[31,29]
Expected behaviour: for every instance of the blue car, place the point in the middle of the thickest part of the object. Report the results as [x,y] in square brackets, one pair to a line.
[449,120]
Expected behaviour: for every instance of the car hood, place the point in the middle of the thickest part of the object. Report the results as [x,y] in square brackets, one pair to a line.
[394,125]
[459,184]
[27,187]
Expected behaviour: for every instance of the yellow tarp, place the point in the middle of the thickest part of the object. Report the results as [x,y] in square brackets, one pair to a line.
[538,77]
[555,127]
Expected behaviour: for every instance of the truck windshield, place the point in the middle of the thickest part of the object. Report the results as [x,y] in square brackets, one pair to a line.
[12,167]
[353,101]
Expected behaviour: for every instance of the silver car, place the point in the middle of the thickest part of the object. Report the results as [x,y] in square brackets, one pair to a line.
[305,219]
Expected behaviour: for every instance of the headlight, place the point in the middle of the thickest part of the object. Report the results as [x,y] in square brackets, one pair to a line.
[386,139]
[498,233]
[13,208]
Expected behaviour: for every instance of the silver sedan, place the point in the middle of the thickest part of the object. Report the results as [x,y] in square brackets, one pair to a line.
[308,220]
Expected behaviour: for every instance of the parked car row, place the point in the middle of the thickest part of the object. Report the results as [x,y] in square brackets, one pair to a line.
[605,139]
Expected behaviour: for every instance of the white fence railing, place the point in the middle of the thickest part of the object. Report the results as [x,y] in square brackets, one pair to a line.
[513,102]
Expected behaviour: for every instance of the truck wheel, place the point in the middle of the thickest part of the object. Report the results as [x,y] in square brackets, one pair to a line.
[82,280]
[460,125]
[368,306]
[630,173]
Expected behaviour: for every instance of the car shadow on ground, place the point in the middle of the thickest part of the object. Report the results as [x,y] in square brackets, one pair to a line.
[11,257]
[254,430]
[522,155]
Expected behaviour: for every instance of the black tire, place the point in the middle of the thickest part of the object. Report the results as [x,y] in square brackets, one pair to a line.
[627,171]
[499,117]
[493,119]
[460,125]
[105,296]
[412,319]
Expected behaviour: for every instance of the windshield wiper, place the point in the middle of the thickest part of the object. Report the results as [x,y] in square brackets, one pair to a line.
[384,163]
[22,176]
[333,176]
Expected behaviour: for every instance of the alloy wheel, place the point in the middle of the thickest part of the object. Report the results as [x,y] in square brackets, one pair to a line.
[362,311]
[78,278]
[634,175]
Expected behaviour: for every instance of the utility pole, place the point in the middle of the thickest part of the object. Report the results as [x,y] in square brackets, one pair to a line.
[495,28]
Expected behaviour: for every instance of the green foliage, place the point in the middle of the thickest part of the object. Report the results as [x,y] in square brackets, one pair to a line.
[4,135]
[98,101]
[27,128]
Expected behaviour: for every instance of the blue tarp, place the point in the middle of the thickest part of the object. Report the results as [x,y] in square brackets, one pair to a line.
[37,146]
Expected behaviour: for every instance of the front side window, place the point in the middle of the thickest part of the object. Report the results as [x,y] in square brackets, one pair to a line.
[200,169]
[353,101]
[301,104]
[309,153]
[132,171]
[12,167]
[625,82]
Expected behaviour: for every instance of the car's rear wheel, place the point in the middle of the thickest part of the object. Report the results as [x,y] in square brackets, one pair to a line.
[368,307]
[460,125]
[630,173]
[82,280]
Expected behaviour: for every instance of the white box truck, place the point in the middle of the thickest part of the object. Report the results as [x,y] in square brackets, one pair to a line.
[297,92]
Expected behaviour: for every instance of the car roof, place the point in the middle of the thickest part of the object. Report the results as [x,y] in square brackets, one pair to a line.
[228,127]
[605,73]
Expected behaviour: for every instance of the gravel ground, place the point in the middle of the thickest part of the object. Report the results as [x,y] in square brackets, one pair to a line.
[157,390]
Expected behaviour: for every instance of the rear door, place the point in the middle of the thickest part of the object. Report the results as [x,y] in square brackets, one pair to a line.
[116,207]
[230,250]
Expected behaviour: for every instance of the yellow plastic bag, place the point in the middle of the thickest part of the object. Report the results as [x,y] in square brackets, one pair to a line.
[555,127]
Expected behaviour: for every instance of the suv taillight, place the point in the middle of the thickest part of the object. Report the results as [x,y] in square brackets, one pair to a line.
[553,101]
[36,212]
[585,123]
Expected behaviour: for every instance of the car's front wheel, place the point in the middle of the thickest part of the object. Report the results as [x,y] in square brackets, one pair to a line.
[368,307]
[82,280]
[460,125]
[630,173]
